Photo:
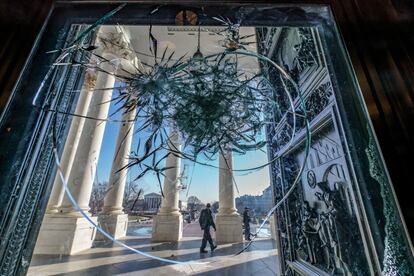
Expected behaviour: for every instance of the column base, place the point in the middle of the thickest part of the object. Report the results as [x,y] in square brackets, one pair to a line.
[64,235]
[272,225]
[114,224]
[52,211]
[167,227]
[229,228]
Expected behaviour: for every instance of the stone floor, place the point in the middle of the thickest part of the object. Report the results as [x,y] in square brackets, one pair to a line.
[259,259]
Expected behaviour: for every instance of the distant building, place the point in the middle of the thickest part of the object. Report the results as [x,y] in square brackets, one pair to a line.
[260,205]
[265,201]
[152,202]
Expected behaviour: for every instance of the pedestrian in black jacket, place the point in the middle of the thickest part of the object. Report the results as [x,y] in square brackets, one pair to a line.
[246,222]
[206,220]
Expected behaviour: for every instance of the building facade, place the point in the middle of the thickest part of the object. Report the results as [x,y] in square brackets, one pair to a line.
[152,202]
[260,204]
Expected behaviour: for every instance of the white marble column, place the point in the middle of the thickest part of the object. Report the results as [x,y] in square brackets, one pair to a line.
[228,221]
[72,141]
[168,224]
[112,219]
[68,232]
[83,171]
[169,203]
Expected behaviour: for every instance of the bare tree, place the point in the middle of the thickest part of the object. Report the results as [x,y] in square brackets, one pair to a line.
[194,200]
[97,197]
[131,195]
[194,203]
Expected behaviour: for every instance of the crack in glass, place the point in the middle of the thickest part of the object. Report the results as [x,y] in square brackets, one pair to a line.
[211,102]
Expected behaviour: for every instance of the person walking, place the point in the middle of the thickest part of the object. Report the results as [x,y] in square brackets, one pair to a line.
[246,222]
[206,220]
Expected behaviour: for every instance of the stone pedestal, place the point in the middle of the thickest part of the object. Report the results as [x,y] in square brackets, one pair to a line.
[229,229]
[167,227]
[64,235]
[273,228]
[114,224]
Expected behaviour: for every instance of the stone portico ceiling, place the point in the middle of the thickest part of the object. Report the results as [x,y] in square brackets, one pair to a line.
[183,41]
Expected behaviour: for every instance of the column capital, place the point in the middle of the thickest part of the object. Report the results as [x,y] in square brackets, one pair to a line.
[90,79]
[113,42]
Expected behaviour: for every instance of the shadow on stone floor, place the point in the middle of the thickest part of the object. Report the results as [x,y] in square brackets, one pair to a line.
[107,259]
[136,266]
[53,259]
[263,267]
[38,260]
[161,268]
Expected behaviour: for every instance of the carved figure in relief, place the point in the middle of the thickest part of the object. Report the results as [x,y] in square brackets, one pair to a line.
[312,236]
[328,221]
[323,224]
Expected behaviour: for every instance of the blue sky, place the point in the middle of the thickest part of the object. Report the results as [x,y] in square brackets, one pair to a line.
[204,179]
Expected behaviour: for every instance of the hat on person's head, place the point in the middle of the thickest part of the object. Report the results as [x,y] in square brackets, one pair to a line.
[208,205]
[246,207]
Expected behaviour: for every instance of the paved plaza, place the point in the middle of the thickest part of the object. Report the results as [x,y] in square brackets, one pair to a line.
[104,259]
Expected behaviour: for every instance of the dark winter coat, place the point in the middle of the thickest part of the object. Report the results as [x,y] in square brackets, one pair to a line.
[246,217]
[206,219]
